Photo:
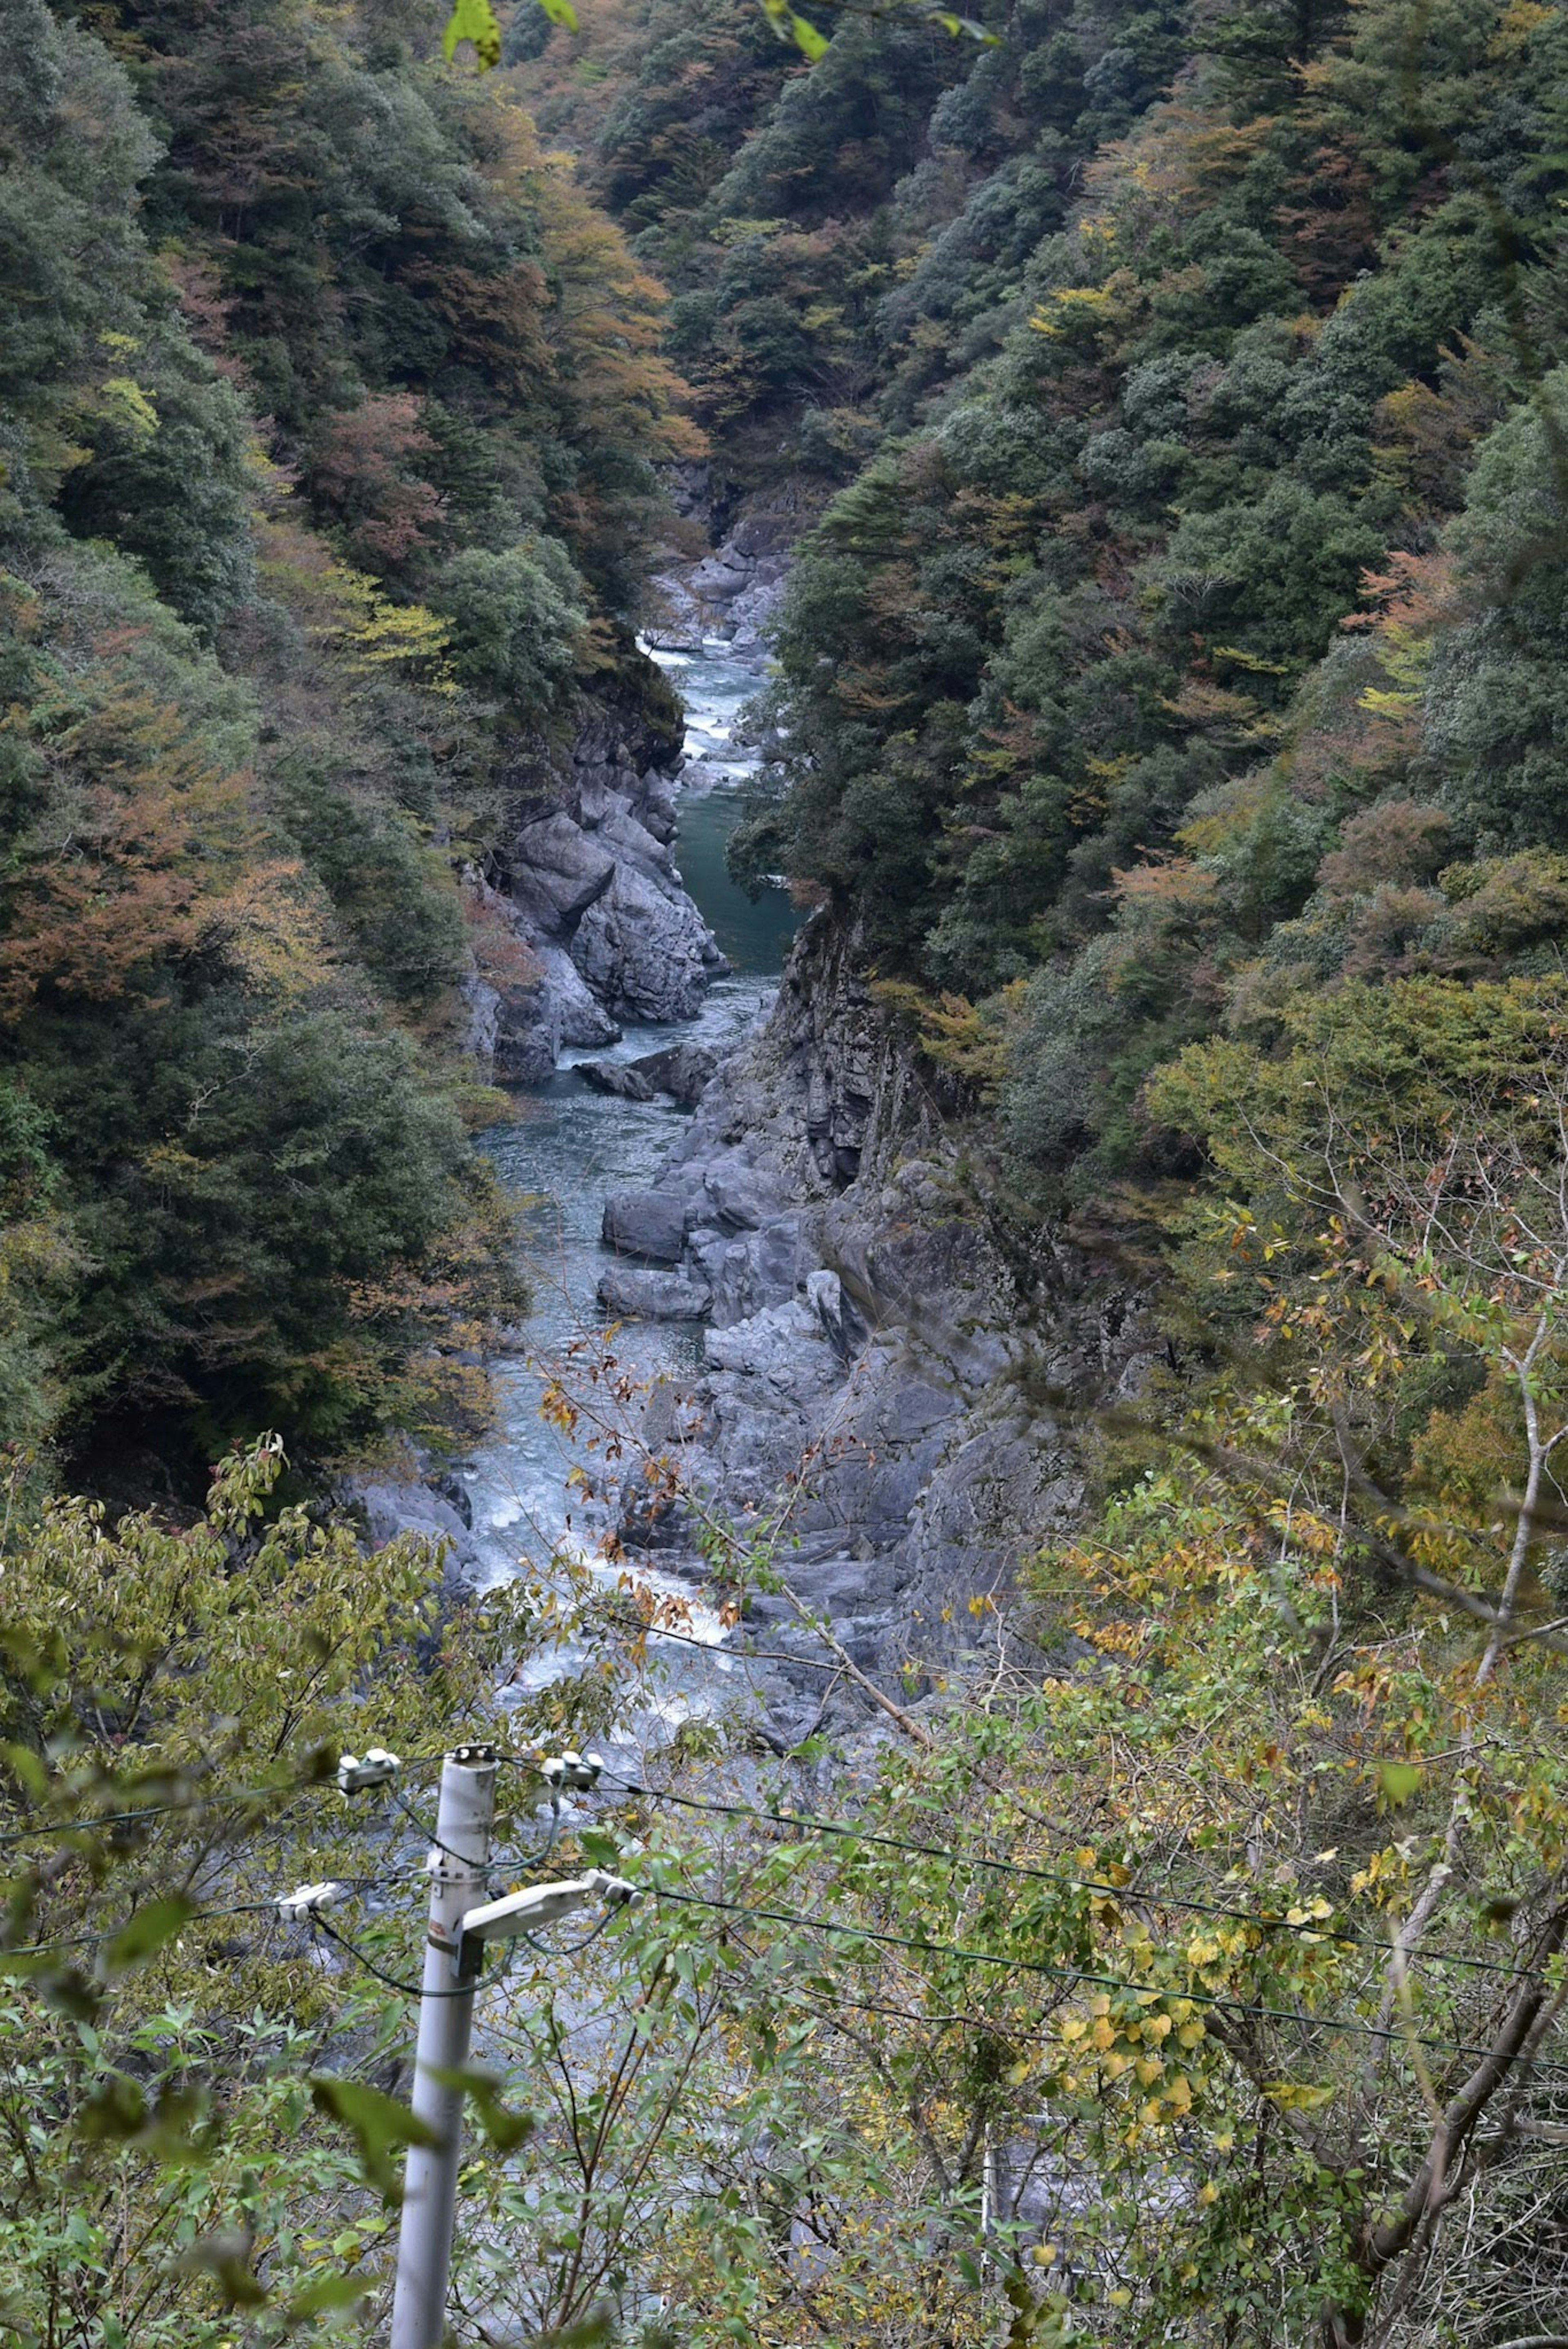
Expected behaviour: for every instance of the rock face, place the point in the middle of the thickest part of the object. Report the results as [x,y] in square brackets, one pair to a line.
[631,1295]
[734,592]
[682,1072]
[875,1346]
[589,895]
[413,1504]
[585,878]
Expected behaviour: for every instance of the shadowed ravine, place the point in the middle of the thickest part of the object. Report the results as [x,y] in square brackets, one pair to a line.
[569,1146]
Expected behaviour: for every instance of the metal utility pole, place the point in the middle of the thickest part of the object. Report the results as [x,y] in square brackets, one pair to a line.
[463,1817]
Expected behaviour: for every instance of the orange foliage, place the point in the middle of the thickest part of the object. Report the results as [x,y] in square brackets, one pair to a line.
[143,839]
[365,473]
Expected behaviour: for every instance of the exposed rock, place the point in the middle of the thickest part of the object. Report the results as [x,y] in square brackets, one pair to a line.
[684,1071]
[650,1224]
[842,1326]
[878,1348]
[634,1296]
[644,950]
[780,1344]
[657,814]
[483,1002]
[556,871]
[752,1270]
[578,1020]
[593,898]
[621,1077]
[675,622]
[407,1506]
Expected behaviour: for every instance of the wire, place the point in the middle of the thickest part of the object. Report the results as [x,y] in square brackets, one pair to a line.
[358,1884]
[86,1940]
[196,1802]
[570,1949]
[88,1823]
[1050,1876]
[1076,1975]
[480,1866]
[409,1990]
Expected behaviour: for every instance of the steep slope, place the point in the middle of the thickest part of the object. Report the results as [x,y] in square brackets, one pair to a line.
[330,410]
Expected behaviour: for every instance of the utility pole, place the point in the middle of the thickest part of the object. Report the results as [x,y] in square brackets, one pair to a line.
[463,1817]
[460,1927]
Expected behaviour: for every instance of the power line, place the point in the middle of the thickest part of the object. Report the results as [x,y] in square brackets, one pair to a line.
[409,1990]
[317,1780]
[358,1884]
[1077,1976]
[90,1823]
[848,1828]
[87,1940]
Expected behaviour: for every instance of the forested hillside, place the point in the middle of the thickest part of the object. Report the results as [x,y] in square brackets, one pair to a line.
[1190,599]
[1079,1634]
[330,412]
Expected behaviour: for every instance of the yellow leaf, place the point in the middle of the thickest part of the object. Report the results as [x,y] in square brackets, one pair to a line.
[473,20]
[1297,2096]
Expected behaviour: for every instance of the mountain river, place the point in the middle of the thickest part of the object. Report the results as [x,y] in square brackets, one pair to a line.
[567,1147]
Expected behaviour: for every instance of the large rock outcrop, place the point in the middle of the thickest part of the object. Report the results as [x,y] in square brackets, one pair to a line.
[586,887]
[877,1351]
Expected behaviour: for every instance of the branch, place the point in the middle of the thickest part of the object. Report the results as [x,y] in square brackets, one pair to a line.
[905,1721]
[1391,2236]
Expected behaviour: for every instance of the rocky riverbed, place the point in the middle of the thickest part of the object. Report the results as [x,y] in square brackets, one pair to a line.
[739,1172]
[871,1349]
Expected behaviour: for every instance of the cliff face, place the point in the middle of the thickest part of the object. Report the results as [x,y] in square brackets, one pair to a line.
[585,886]
[876,1351]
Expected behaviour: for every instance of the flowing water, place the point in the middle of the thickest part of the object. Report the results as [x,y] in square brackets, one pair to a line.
[567,1147]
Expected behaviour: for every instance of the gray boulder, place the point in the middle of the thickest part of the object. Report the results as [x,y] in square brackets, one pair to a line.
[656,809]
[783,1345]
[636,1295]
[742,1199]
[558,871]
[578,1020]
[644,950]
[684,1071]
[844,1329]
[753,1270]
[621,1077]
[391,1508]
[650,1224]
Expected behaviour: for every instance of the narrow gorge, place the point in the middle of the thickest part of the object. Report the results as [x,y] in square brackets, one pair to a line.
[783,1167]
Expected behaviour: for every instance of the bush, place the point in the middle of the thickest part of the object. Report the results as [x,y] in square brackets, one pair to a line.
[516,618]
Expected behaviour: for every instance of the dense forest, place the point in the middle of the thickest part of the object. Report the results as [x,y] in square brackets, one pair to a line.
[331,415]
[1184,385]
[1167,720]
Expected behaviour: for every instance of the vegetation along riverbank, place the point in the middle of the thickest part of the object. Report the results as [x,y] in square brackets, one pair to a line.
[1011,1384]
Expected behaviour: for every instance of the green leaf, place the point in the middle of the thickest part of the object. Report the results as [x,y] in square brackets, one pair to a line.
[150,1931]
[64,1988]
[329,2292]
[116,2110]
[505,2129]
[590,2333]
[473,20]
[561,12]
[1398,1780]
[807,39]
[227,2260]
[380,2125]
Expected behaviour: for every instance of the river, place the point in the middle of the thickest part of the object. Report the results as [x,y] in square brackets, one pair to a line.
[567,1147]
